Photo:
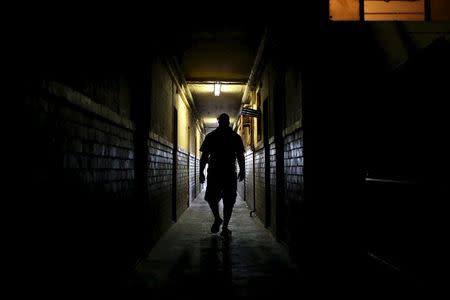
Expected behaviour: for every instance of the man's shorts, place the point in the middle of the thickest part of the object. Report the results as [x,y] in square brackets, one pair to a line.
[221,187]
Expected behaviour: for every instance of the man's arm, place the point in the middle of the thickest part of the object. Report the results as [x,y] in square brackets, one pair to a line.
[240,157]
[203,162]
[241,162]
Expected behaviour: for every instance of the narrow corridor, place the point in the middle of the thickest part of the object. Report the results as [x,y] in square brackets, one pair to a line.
[190,261]
[343,127]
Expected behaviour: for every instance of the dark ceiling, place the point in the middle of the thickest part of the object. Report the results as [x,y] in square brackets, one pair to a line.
[220,54]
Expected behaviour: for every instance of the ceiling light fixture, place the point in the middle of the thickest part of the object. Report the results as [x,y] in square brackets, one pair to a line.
[217,86]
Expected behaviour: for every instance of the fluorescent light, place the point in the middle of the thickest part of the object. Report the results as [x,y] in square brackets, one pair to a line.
[213,120]
[217,89]
[203,88]
[232,88]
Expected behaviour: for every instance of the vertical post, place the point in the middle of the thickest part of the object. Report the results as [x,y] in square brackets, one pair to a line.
[361,10]
[195,162]
[268,206]
[174,164]
[427,10]
[189,166]
[141,95]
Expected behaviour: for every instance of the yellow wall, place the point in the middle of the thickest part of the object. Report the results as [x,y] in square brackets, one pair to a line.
[255,120]
[192,139]
[161,107]
[199,140]
[183,124]
[344,10]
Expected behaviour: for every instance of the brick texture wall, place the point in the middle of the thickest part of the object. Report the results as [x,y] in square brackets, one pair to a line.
[80,170]
[293,172]
[89,144]
[192,178]
[273,184]
[249,172]
[260,184]
[197,174]
[96,152]
[182,182]
[160,185]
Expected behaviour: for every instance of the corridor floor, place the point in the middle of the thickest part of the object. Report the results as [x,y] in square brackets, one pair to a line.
[191,261]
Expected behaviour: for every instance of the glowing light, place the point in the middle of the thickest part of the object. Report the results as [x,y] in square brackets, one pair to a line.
[232,88]
[208,88]
[201,88]
[210,120]
[214,121]
[217,89]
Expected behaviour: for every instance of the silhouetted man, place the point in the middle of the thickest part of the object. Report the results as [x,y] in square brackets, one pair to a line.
[220,150]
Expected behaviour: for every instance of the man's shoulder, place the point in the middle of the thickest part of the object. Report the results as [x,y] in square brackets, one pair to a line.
[211,134]
[206,144]
[236,135]
[222,134]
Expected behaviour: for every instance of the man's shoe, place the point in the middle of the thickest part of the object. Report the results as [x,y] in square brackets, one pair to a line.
[216,225]
[226,233]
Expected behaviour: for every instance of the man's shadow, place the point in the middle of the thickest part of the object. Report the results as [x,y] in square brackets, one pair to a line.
[216,266]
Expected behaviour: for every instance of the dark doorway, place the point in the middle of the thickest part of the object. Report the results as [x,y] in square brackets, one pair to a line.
[174,164]
[267,161]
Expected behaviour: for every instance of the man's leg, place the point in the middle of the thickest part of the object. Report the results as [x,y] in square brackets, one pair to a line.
[214,205]
[227,211]
[212,196]
[214,209]
[228,205]
[229,199]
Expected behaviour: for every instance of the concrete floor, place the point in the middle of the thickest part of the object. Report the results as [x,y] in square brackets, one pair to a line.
[190,261]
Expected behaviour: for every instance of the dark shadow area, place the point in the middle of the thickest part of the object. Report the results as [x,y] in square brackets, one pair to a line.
[408,212]
[82,216]
[221,270]
[210,274]
[214,275]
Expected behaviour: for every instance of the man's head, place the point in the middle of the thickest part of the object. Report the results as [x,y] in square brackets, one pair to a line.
[224,120]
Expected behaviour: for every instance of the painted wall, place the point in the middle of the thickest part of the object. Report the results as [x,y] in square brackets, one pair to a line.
[161,103]
[183,123]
